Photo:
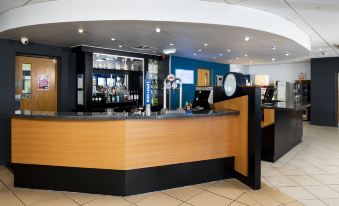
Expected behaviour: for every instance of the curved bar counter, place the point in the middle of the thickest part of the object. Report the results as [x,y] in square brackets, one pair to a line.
[124,154]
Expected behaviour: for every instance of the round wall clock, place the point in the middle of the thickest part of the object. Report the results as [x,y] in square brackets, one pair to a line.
[232,83]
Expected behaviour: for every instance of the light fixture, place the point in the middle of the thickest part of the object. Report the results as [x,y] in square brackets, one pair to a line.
[273,59]
[158,30]
[246,55]
[169,51]
[171,44]
[220,54]
[229,50]
[154,51]
[113,39]
[287,54]
[195,54]
[205,44]
[80,31]
[214,58]
[199,50]
[120,46]
[320,49]
[237,58]
[261,80]
[247,38]
[274,47]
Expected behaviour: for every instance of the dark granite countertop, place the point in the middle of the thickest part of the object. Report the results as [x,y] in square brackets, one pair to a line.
[288,105]
[117,115]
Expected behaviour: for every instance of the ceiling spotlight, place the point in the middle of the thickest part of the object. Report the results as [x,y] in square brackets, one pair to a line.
[199,50]
[205,44]
[80,31]
[120,46]
[273,59]
[158,30]
[113,39]
[287,54]
[214,58]
[220,54]
[246,55]
[171,44]
[247,38]
[154,51]
[195,54]
[229,50]
[320,49]
[237,58]
[274,47]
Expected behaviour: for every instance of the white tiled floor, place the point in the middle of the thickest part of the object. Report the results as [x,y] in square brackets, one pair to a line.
[309,173]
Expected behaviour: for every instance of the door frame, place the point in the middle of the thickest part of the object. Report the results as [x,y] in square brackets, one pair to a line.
[58,66]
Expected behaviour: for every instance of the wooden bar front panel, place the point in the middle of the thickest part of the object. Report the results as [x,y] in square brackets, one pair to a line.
[122,145]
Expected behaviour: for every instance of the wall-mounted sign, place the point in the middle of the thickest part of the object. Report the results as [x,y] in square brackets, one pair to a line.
[171,77]
[43,82]
[186,76]
[148,92]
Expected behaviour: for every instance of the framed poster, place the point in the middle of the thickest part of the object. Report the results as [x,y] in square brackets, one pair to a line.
[43,82]
[187,76]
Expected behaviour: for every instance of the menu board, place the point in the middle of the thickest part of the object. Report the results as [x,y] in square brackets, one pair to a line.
[187,76]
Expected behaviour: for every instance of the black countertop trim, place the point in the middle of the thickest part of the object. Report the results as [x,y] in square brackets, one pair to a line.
[117,115]
[287,105]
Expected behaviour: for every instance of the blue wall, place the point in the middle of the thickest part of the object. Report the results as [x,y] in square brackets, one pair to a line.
[192,64]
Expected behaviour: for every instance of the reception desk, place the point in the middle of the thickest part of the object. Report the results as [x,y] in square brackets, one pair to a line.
[124,153]
[282,129]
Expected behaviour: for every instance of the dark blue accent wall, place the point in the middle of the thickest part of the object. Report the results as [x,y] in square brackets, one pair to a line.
[192,64]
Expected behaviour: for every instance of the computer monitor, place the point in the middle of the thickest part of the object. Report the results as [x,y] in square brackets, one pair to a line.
[200,101]
[269,94]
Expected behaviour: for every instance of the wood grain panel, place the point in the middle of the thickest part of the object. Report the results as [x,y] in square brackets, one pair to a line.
[42,100]
[241,131]
[204,77]
[85,144]
[269,118]
[164,142]
[122,145]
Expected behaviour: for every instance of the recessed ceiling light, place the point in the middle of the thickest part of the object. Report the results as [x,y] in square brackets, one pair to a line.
[214,58]
[246,55]
[154,51]
[80,31]
[287,54]
[205,44]
[200,50]
[320,49]
[220,54]
[237,58]
[195,54]
[229,50]
[247,38]
[120,46]
[158,30]
[274,47]
[273,59]
[171,44]
[113,39]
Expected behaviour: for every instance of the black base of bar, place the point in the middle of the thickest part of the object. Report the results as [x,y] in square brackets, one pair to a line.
[123,183]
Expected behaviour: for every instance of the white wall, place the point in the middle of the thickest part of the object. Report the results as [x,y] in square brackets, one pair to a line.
[282,72]
[239,68]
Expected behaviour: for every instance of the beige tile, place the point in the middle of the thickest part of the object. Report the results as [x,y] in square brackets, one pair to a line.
[263,198]
[327,179]
[183,193]
[331,202]
[270,171]
[296,203]
[8,180]
[331,169]
[210,199]
[247,200]
[312,170]
[312,203]
[226,189]
[108,201]
[137,198]
[4,171]
[281,181]
[206,185]
[29,196]
[59,201]
[159,199]
[305,180]
[10,200]
[239,185]
[291,171]
[185,204]
[322,192]
[4,191]
[299,162]
[82,198]
[277,195]
[297,193]
[236,204]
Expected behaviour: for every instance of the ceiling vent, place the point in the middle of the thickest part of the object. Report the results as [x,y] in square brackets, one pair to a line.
[144,48]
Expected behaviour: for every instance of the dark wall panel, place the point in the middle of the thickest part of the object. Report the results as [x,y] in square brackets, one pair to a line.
[324,94]
[66,82]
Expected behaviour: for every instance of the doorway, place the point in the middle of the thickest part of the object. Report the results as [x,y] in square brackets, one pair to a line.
[204,77]
[36,83]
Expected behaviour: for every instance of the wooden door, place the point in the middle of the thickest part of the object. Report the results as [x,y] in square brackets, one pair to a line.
[204,77]
[36,83]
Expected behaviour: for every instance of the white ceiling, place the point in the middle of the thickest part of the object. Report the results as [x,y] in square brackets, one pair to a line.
[318,18]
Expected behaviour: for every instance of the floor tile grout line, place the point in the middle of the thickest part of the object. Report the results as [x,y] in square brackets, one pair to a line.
[12,192]
[64,193]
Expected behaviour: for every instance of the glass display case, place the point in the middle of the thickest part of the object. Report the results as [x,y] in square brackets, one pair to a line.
[153,75]
[115,62]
